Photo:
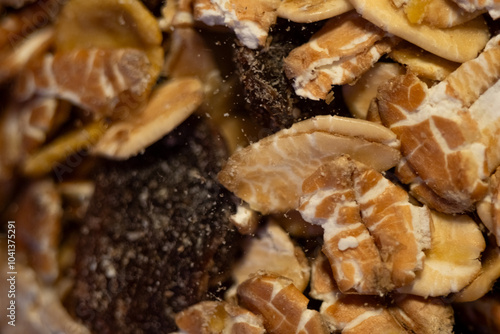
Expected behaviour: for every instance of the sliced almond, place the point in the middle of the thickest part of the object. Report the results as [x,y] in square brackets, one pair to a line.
[250,20]
[168,107]
[268,175]
[306,11]
[488,208]
[452,261]
[422,63]
[281,304]
[339,53]
[359,95]
[373,236]
[460,43]
[451,125]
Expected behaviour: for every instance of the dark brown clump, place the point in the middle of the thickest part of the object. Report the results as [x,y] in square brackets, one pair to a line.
[269,95]
[151,234]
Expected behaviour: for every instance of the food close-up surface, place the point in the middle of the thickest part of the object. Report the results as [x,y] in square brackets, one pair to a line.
[249,166]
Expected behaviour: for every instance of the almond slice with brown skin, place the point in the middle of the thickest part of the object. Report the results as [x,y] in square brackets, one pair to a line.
[306,11]
[268,174]
[168,107]
[281,304]
[373,237]
[452,262]
[460,43]
[448,132]
[346,47]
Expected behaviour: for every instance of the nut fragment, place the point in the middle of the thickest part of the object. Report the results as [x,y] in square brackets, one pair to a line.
[459,43]
[218,317]
[282,305]
[307,11]
[268,175]
[340,52]
[452,261]
[374,238]
[448,132]
[169,106]
[250,20]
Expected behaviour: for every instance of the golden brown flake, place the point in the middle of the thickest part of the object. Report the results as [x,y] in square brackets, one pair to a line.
[492,6]
[268,174]
[488,208]
[373,236]
[307,11]
[448,132]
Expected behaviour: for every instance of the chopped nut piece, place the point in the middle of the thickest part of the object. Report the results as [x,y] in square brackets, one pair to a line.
[176,14]
[282,305]
[437,13]
[168,107]
[374,238]
[448,132]
[268,175]
[307,11]
[339,53]
[482,284]
[421,62]
[245,219]
[452,261]
[359,95]
[250,20]
[97,80]
[492,6]
[426,316]
[274,252]
[488,208]
[349,313]
[460,43]
[38,217]
[218,317]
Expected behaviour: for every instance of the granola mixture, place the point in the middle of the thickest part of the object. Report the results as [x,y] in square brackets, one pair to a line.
[249,166]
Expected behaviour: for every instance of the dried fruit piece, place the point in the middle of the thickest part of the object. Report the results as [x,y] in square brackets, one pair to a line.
[349,313]
[174,239]
[274,252]
[281,304]
[448,132]
[359,95]
[460,43]
[268,174]
[452,262]
[422,63]
[488,208]
[249,20]
[374,238]
[307,11]
[339,53]
[218,317]
[437,13]
[169,105]
[492,6]
[97,80]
